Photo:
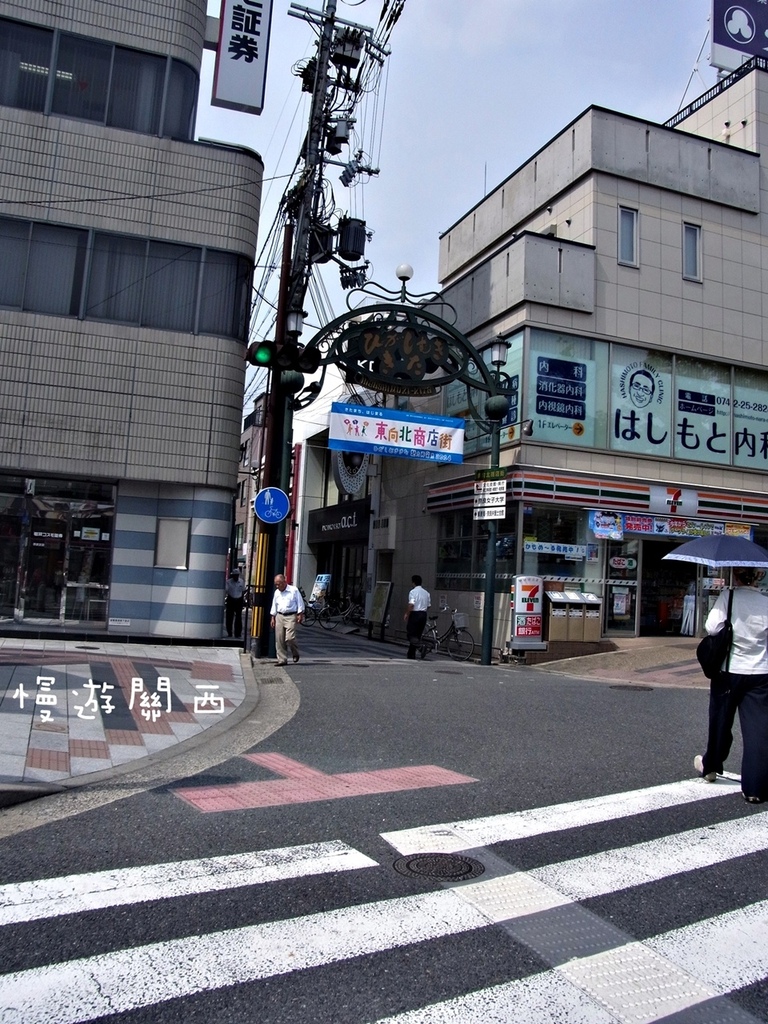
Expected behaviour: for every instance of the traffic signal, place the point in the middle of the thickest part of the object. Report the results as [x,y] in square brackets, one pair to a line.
[261,353]
[292,356]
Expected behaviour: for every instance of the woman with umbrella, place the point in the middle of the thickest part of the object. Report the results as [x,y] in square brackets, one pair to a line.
[742,684]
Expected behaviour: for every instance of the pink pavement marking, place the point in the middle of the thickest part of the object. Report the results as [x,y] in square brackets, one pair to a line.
[302,784]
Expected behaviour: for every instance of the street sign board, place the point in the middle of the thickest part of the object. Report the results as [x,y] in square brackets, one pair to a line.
[271,505]
[490,487]
[494,512]
[485,500]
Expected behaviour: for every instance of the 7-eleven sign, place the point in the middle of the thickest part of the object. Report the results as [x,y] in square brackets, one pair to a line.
[527,611]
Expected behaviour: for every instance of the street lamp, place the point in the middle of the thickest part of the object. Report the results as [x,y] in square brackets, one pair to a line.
[496,408]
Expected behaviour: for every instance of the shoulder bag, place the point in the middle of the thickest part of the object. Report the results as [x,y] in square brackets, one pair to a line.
[714,650]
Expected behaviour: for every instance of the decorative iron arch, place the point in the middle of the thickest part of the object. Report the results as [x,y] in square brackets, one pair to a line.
[401,349]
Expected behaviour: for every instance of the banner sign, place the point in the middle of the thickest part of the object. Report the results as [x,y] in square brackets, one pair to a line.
[614,525]
[738,32]
[241,56]
[405,435]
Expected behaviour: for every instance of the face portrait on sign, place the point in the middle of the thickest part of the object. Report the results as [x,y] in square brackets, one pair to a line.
[642,388]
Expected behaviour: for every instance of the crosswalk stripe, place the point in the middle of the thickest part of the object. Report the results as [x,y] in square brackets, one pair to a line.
[454,836]
[638,982]
[613,870]
[631,981]
[80,990]
[70,894]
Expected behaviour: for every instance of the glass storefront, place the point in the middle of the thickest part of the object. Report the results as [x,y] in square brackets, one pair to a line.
[55,550]
[618,557]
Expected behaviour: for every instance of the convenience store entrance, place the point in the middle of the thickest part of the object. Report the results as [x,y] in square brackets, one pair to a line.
[663,589]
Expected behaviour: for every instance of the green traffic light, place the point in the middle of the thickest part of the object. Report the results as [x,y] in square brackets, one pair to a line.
[261,353]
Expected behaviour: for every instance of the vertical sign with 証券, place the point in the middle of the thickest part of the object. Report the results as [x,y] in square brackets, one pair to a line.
[490,500]
[241,55]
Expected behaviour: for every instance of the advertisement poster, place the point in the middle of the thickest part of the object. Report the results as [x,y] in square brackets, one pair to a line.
[702,413]
[563,390]
[641,403]
[750,422]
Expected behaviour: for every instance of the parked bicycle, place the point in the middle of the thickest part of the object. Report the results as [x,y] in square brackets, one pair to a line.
[311,609]
[331,615]
[458,641]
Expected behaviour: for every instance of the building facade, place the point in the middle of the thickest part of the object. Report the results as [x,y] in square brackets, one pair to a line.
[126,256]
[626,264]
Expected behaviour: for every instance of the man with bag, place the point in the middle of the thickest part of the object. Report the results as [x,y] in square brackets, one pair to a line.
[740,684]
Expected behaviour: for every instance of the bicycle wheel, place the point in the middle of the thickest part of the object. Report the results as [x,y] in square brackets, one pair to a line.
[310,616]
[325,618]
[461,645]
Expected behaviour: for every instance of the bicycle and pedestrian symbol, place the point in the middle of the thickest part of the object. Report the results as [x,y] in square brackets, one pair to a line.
[271,505]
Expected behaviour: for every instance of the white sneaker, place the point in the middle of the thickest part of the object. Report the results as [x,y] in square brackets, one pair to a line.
[698,764]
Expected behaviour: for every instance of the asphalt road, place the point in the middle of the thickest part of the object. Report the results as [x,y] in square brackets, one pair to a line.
[321,904]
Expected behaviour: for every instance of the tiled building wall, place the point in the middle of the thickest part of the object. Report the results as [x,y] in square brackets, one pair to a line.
[91,176]
[111,401]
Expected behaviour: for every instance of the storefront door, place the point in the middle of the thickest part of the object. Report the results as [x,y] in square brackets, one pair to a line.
[664,587]
[621,590]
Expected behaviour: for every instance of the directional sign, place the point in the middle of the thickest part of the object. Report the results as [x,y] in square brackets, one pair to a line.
[490,501]
[271,505]
[494,512]
[490,487]
[486,500]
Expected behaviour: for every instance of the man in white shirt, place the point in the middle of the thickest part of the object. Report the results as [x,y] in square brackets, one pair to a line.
[287,610]
[416,615]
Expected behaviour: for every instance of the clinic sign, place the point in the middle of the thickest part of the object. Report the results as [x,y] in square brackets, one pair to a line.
[738,32]
[400,434]
[240,71]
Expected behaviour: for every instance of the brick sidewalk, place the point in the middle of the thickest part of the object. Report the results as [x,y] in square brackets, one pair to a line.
[68,709]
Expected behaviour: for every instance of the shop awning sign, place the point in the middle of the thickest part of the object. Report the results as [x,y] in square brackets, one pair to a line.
[400,434]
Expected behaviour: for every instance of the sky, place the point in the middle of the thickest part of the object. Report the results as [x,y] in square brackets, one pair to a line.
[470,91]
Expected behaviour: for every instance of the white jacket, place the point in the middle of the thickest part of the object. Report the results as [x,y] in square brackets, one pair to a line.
[749,615]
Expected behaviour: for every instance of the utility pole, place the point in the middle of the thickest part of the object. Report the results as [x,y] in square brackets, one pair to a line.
[304,216]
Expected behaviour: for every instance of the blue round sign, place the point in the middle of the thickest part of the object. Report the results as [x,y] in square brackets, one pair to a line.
[271,505]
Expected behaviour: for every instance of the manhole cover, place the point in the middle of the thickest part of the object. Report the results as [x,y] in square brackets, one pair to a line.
[448,672]
[445,867]
[630,686]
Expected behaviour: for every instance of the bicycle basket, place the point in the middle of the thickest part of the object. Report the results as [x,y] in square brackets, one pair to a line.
[459,620]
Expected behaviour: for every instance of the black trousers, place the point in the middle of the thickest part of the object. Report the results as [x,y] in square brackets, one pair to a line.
[748,695]
[414,627]
[233,616]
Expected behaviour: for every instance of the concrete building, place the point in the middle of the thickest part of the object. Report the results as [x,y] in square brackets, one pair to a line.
[626,263]
[126,256]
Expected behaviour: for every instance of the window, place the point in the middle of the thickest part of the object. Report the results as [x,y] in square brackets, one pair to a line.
[172,544]
[692,252]
[628,236]
[54,280]
[171,286]
[225,294]
[14,244]
[95,81]
[136,95]
[82,78]
[461,551]
[25,59]
[116,279]
[129,280]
